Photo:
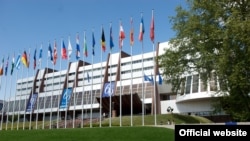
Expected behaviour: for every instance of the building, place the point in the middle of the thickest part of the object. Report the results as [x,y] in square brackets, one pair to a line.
[83,90]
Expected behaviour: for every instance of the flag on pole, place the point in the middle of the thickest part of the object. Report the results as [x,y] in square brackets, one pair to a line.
[69,48]
[147,78]
[85,46]
[131,32]
[152,28]
[18,60]
[88,76]
[77,47]
[55,53]
[121,35]
[63,51]
[24,59]
[160,79]
[6,67]
[93,43]
[103,41]
[141,29]
[111,43]
[12,65]
[1,69]
[50,53]
[40,54]
[34,59]
[28,59]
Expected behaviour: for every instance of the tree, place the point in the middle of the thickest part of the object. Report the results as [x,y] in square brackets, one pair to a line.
[213,38]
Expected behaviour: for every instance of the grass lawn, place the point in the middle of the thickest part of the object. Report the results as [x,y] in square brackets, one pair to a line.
[145,133]
[104,133]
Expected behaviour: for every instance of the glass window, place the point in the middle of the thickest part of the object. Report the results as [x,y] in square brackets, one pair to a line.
[195,84]
[188,85]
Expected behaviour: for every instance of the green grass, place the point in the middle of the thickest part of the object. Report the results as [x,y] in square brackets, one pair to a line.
[91,134]
[104,133]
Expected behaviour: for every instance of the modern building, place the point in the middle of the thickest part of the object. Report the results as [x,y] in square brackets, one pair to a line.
[83,90]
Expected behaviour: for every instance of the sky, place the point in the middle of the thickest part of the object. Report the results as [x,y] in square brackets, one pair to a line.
[26,25]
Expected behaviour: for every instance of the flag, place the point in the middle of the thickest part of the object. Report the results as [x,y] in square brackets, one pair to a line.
[40,54]
[63,51]
[152,28]
[28,59]
[111,43]
[55,53]
[147,78]
[160,79]
[88,76]
[6,67]
[131,32]
[18,60]
[50,53]
[121,35]
[93,44]
[34,59]
[12,65]
[141,29]
[103,41]
[77,47]
[69,49]
[1,69]
[24,59]
[85,46]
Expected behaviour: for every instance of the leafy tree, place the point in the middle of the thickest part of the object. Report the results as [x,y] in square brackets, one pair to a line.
[213,37]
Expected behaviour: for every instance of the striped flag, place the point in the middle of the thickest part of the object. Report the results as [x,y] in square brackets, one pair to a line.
[121,35]
[55,53]
[50,53]
[12,65]
[77,47]
[93,44]
[6,67]
[24,59]
[63,51]
[34,59]
[69,49]
[152,28]
[1,69]
[85,46]
[40,55]
[18,60]
[103,41]
[141,29]
[131,32]
[111,43]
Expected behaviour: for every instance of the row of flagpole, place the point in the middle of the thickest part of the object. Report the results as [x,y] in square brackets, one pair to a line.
[103,48]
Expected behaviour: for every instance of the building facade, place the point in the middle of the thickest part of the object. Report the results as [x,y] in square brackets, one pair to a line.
[120,85]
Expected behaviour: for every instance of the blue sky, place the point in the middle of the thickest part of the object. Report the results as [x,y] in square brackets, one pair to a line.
[26,24]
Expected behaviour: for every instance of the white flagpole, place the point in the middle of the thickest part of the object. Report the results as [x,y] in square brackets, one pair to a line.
[8,110]
[27,74]
[58,98]
[101,84]
[110,92]
[92,59]
[120,96]
[143,95]
[131,71]
[40,78]
[31,111]
[14,104]
[83,71]
[92,68]
[152,39]
[18,115]
[45,98]
[3,108]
